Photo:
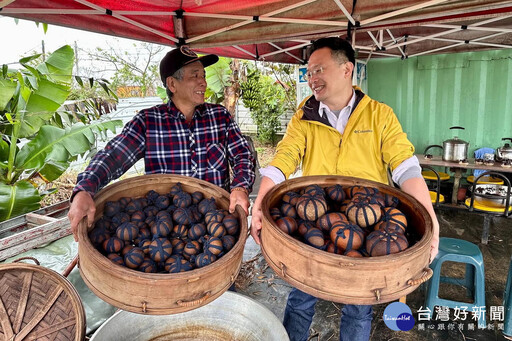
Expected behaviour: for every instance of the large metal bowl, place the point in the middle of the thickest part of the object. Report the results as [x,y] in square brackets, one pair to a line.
[232,317]
[491,195]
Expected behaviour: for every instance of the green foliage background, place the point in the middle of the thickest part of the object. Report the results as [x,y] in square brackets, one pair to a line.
[38,141]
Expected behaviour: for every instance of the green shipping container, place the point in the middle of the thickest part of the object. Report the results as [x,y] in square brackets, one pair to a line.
[430,94]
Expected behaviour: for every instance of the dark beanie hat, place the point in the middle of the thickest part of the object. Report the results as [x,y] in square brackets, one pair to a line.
[179,57]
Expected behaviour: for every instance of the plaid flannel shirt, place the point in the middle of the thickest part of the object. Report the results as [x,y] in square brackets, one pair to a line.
[202,148]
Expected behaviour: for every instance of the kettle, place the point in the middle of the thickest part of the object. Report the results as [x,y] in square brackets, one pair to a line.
[455,149]
[428,155]
[505,152]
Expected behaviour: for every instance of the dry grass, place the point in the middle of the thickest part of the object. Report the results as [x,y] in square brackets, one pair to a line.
[64,185]
[247,273]
[265,153]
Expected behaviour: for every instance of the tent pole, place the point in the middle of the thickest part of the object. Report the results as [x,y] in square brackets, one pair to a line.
[402,11]
[438,49]
[230,27]
[394,41]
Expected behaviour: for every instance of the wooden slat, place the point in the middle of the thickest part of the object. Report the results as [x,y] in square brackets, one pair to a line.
[18,224]
[63,324]
[5,322]
[22,304]
[12,224]
[53,209]
[34,233]
[40,315]
[39,219]
[29,244]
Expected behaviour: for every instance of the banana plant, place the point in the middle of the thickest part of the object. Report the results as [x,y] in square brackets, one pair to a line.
[31,147]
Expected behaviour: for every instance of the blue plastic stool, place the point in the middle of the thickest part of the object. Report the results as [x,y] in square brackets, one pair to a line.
[461,251]
[507,303]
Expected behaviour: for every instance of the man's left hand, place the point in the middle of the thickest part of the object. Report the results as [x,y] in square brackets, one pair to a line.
[238,198]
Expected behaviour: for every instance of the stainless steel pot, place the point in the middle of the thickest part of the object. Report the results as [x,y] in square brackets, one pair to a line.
[505,152]
[455,149]
[232,316]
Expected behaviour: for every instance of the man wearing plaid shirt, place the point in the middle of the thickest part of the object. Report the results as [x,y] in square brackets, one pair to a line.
[185,136]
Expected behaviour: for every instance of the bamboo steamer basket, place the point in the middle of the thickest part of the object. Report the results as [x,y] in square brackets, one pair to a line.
[342,279]
[157,293]
[37,303]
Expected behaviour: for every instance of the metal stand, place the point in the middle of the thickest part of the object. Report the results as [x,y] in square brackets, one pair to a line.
[487,226]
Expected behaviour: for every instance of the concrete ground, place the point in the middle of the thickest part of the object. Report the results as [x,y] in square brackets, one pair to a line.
[258,281]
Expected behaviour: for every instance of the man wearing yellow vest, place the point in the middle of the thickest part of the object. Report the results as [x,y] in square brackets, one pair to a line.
[340,130]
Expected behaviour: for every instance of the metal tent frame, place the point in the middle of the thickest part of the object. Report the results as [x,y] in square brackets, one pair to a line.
[281,30]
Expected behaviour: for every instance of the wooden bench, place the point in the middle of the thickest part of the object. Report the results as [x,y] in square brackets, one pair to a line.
[34,229]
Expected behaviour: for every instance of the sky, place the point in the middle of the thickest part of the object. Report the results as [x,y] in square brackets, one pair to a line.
[25,38]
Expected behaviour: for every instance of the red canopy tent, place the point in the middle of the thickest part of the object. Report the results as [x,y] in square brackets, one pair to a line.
[280,30]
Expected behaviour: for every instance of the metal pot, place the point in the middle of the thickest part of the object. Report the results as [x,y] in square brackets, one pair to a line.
[232,316]
[505,152]
[455,149]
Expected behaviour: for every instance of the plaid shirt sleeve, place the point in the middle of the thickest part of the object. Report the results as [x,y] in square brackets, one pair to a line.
[241,158]
[122,152]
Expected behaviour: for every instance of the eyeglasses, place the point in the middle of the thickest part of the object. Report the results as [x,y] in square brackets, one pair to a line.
[315,72]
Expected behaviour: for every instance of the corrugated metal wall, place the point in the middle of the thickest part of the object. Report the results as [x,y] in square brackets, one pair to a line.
[429,94]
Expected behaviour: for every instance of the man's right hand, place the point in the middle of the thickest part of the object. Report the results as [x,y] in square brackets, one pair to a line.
[82,206]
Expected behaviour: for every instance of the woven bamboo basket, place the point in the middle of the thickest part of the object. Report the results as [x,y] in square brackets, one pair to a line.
[156,293]
[38,304]
[343,279]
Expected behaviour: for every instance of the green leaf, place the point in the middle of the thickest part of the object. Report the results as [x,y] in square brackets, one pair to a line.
[4,150]
[32,80]
[105,87]
[48,192]
[91,82]
[7,89]
[31,71]
[9,118]
[160,92]
[53,170]
[45,27]
[79,81]
[18,199]
[41,105]
[56,146]
[59,65]
[25,60]
[218,77]
[5,69]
